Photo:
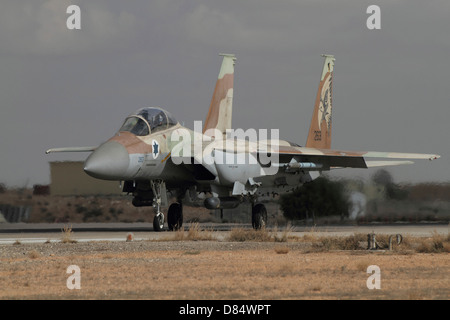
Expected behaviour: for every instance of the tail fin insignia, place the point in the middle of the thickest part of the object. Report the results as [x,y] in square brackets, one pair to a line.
[320,130]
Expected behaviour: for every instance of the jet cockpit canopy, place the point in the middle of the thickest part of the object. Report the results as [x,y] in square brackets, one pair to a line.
[148,120]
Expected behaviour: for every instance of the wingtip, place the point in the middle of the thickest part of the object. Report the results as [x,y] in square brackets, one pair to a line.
[434,157]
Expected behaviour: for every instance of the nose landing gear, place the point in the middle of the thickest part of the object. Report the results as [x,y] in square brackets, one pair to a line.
[175,213]
[158,222]
[159,190]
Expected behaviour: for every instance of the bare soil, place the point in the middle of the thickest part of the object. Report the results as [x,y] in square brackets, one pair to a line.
[214,269]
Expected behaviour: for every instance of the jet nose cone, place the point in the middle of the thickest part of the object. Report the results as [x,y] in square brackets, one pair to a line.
[108,162]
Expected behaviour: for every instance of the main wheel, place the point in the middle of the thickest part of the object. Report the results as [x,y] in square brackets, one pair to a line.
[259,216]
[158,222]
[175,216]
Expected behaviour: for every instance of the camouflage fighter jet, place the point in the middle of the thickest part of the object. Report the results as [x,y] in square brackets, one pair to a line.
[215,166]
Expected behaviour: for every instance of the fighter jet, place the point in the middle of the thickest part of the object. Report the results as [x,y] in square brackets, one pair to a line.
[158,159]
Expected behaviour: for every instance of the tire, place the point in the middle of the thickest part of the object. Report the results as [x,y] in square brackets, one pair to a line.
[175,216]
[158,222]
[259,216]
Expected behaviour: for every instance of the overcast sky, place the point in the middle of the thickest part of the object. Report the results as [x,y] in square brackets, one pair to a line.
[61,87]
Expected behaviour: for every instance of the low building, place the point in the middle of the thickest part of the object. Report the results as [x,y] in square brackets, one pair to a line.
[68,178]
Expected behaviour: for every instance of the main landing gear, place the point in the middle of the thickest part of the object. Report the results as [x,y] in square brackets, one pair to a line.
[175,216]
[175,213]
[259,216]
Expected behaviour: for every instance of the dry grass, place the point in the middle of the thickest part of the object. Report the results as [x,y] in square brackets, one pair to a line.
[67,234]
[241,235]
[435,244]
[264,265]
[202,273]
[281,249]
[194,233]
[352,242]
[34,254]
[262,235]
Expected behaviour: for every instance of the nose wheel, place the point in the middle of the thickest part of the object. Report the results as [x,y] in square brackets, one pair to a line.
[158,222]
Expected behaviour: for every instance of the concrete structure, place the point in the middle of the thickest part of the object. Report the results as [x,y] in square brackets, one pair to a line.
[68,178]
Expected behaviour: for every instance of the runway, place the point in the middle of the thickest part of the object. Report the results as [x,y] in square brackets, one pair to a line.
[88,232]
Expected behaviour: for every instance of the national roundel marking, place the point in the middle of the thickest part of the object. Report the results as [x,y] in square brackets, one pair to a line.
[155,149]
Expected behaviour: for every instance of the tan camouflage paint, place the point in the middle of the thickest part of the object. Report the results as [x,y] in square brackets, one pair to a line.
[221,103]
[344,153]
[220,110]
[132,143]
[320,130]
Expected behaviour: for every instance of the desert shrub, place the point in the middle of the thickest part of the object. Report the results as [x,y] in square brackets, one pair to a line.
[319,198]
[92,214]
[80,209]
[194,233]
[241,235]
[49,217]
[281,249]
[352,242]
[435,244]
[67,234]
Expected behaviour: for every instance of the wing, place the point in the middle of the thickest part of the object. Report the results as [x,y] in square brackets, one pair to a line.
[272,153]
[326,159]
[71,149]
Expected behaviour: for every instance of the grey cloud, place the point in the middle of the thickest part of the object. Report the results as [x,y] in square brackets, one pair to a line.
[62,87]
[39,27]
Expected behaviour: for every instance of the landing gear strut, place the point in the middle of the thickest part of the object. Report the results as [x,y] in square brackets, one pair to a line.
[158,220]
[259,216]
